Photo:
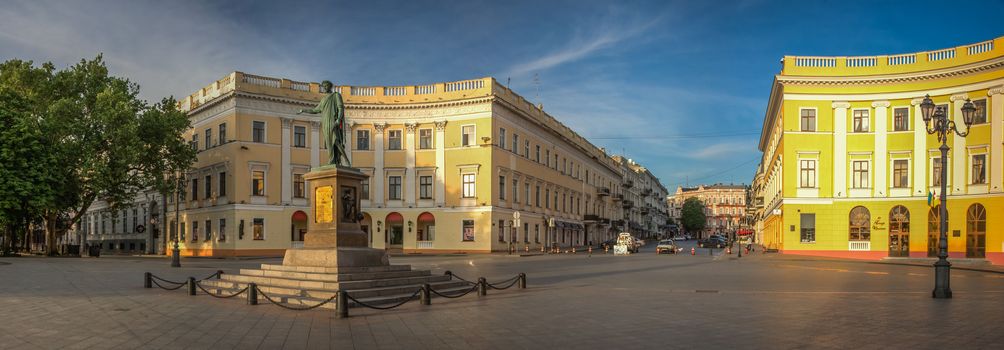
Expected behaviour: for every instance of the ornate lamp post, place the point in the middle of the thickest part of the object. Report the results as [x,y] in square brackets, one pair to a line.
[176,251]
[936,121]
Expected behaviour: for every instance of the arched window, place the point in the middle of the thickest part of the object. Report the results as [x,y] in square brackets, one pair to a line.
[976,231]
[860,228]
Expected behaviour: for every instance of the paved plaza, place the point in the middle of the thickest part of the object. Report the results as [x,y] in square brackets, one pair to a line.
[573,301]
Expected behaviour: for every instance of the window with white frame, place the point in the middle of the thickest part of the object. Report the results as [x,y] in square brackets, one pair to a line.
[936,171]
[502,187]
[299,136]
[980,117]
[807,173]
[258,229]
[362,140]
[467,135]
[394,187]
[979,171]
[257,183]
[901,119]
[900,173]
[468,185]
[859,175]
[394,139]
[258,131]
[860,118]
[502,138]
[425,187]
[808,119]
[425,138]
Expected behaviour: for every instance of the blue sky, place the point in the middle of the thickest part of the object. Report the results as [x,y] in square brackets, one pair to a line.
[659,81]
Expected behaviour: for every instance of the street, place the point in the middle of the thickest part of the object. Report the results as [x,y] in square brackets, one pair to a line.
[572,301]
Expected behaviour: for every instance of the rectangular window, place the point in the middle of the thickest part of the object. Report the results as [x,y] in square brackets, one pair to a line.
[501,187]
[547,199]
[468,231]
[363,140]
[195,141]
[536,233]
[209,138]
[222,188]
[365,184]
[526,233]
[394,191]
[195,189]
[257,183]
[979,171]
[808,120]
[425,187]
[223,133]
[467,137]
[808,232]
[195,231]
[209,230]
[901,119]
[936,171]
[807,173]
[861,121]
[515,191]
[182,229]
[208,182]
[547,157]
[537,159]
[526,192]
[299,136]
[515,143]
[135,220]
[258,229]
[980,117]
[425,138]
[469,187]
[502,138]
[223,230]
[299,186]
[536,196]
[526,149]
[860,178]
[502,230]
[394,139]
[258,131]
[900,173]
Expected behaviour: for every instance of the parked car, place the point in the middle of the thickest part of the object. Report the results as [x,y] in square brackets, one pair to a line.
[666,246]
[639,242]
[631,242]
[712,242]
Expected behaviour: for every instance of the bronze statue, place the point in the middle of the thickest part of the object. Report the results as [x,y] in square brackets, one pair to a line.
[332,112]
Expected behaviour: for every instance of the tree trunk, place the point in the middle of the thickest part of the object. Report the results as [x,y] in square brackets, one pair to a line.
[50,233]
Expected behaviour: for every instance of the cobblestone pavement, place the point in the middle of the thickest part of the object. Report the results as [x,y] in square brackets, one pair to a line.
[573,301]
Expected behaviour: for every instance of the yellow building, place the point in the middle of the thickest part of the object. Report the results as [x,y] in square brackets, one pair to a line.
[848,165]
[449,165]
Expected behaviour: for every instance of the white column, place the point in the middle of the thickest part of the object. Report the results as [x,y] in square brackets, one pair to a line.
[881,145]
[921,162]
[376,181]
[349,127]
[284,177]
[409,173]
[440,163]
[315,145]
[959,183]
[996,114]
[840,148]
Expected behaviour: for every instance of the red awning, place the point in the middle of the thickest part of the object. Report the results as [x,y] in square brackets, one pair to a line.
[426,217]
[395,217]
[299,215]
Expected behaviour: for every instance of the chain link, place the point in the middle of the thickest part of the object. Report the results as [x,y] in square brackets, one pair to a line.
[197,284]
[406,300]
[167,288]
[284,306]
[454,296]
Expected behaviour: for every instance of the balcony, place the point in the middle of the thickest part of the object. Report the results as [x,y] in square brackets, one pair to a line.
[627,204]
[591,217]
[628,183]
[618,196]
[602,191]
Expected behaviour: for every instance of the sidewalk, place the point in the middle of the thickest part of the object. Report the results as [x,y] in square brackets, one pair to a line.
[957,264]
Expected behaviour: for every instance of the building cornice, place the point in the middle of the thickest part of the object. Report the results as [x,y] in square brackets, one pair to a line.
[972,68]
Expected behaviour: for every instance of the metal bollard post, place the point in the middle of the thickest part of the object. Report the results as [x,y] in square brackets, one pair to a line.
[426,298]
[191,286]
[219,274]
[482,286]
[147,280]
[448,273]
[522,280]
[253,294]
[342,304]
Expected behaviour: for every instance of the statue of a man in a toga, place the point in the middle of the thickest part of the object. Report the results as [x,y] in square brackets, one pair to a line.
[332,112]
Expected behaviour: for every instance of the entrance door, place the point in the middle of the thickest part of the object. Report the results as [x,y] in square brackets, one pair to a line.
[899,232]
[933,231]
[396,236]
[976,232]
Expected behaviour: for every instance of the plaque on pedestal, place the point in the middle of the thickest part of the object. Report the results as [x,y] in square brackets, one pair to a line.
[334,238]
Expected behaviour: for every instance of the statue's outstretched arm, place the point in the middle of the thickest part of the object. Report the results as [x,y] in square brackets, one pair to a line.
[310,111]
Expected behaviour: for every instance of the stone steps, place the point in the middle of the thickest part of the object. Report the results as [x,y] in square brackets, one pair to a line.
[330,277]
[336,270]
[326,284]
[300,297]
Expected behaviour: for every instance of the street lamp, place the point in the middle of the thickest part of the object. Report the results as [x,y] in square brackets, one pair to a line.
[936,121]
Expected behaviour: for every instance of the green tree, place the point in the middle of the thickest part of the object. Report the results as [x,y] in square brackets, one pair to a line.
[692,215]
[101,141]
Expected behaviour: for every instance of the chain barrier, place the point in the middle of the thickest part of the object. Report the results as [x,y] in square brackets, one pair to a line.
[474,288]
[164,280]
[406,300]
[294,308]
[450,273]
[511,282]
[197,284]
[176,287]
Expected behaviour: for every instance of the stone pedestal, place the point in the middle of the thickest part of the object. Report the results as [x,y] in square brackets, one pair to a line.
[334,238]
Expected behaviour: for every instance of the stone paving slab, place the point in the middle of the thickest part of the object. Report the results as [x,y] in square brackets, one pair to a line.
[634,302]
